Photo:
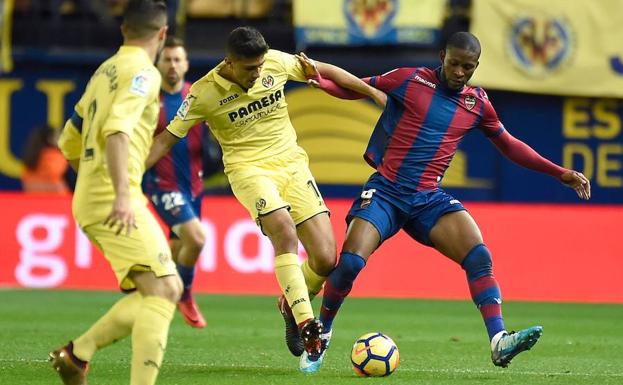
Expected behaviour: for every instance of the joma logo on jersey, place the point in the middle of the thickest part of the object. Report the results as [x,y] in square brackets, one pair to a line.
[256,105]
[227,99]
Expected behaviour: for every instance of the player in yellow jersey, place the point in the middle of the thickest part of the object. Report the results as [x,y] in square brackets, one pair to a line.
[242,101]
[107,139]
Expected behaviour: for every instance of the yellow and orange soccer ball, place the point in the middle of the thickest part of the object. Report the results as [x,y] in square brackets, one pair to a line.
[374,355]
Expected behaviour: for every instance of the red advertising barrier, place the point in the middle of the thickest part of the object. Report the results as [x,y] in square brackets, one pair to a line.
[540,252]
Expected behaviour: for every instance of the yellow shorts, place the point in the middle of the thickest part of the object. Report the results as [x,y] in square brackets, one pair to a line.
[283,181]
[146,249]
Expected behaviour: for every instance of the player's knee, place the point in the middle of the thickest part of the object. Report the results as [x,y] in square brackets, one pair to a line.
[196,241]
[477,263]
[283,236]
[323,261]
[171,288]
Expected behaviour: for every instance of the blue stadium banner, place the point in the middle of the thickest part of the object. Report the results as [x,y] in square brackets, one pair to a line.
[551,47]
[368,22]
[581,133]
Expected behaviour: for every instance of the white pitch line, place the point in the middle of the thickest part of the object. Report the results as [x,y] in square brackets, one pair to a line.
[448,371]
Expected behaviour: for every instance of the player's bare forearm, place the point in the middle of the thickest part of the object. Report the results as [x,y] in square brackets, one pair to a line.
[121,216]
[161,145]
[117,153]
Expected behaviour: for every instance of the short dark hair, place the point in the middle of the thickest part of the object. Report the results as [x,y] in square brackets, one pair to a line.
[464,40]
[38,139]
[246,42]
[173,42]
[142,18]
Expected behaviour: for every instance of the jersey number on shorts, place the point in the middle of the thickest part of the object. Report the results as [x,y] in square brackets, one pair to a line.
[367,194]
[172,200]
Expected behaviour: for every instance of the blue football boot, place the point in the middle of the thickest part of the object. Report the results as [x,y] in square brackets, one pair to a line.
[311,362]
[510,344]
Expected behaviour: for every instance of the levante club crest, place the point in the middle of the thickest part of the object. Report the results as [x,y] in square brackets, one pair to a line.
[370,18]
[540,45]
[470,102]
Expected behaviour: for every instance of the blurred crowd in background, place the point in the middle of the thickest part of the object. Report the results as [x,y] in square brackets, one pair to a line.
[94,24]
[89,25]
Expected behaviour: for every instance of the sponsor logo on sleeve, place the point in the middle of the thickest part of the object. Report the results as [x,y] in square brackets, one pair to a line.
[185,107]
[140,85]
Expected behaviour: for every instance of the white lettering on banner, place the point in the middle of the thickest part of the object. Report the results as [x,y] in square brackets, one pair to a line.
[37,254]
[207,259]
[84,250]
[234,241]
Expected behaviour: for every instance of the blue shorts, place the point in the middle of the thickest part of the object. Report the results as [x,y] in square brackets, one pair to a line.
[389,208]
[175,207]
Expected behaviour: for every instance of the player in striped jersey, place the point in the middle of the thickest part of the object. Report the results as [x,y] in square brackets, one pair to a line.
[174,184]
[427,114]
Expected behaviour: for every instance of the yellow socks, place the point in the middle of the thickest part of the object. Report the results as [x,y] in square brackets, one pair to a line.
[149,339]
[147,318]
[114,325]
[312,280]
[292,283]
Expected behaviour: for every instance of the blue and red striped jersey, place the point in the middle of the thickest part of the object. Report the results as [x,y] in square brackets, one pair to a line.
[181,169]
[422,124]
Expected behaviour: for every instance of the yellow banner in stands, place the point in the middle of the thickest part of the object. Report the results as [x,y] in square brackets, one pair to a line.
[6,18]
[556,47]
[357,22]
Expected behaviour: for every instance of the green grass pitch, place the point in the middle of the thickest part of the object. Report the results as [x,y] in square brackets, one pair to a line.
[440,342]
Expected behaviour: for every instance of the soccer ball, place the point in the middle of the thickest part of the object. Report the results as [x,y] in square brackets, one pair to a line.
[374,355]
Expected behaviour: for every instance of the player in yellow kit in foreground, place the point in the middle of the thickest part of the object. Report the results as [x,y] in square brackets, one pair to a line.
[108,139]
[242,101]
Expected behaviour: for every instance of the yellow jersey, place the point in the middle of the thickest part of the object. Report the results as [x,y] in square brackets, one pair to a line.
[121,96]
[250,125]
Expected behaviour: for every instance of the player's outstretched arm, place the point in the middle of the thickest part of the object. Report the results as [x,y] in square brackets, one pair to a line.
[161,145]
[117,153]
[338,82]
[524,155]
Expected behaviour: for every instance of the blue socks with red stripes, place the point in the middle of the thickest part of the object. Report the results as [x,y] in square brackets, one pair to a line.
[484,288]
[187,274]
[338,285]
[477,264]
